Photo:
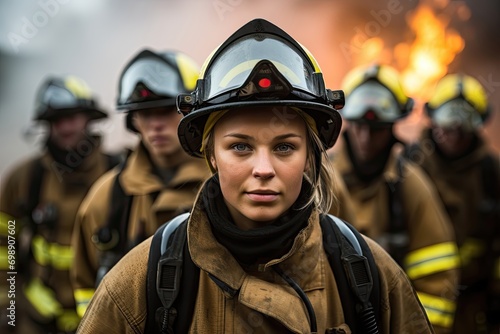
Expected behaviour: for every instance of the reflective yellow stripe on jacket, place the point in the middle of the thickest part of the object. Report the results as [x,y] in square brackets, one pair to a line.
[4,233]
[470,250]
[432,259]
[441,312]
[4,263]
[4,223]
[45,253]
[45,303]
[43,299]
[82,298]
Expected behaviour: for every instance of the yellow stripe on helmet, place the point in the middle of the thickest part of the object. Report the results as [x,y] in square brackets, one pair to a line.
[452,85]
[386,75]
[315,64]
[189,71]
[78,87]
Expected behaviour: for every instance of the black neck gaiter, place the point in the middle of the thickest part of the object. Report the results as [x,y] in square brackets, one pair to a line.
[261,244]
[71,158]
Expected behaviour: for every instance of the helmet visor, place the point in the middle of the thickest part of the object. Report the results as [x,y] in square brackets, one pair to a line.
[154,74]
[232,67]
[457,113]
[387,76]
[371,96]
[59,98]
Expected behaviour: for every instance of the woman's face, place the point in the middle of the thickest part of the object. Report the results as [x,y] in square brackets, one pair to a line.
[260,155]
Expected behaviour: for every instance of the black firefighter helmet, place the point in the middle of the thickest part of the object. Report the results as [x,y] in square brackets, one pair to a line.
[154,79]
[63,96]
[259,65]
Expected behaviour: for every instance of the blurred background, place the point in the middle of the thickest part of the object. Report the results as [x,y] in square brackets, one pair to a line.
[94,39]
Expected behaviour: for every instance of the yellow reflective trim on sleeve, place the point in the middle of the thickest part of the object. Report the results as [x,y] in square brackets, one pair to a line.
[82,298]
[68,321]
[440,311]
[4,264]
[40,250]
[432,259]
[59,256]
[43,299]
[4,223]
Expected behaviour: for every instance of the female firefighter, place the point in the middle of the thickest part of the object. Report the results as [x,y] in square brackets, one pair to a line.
[262,119]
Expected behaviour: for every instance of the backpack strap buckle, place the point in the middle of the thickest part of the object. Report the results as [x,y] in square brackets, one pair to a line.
[169,270]
[359,275]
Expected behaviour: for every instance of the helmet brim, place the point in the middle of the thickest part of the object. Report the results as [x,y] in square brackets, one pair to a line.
[51,114]
[328,121]
[171,102]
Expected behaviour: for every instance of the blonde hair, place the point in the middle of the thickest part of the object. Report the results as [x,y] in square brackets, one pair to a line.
[322,182]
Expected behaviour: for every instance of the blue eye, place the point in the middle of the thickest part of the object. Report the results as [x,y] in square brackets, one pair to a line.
[240,147]
[284,148]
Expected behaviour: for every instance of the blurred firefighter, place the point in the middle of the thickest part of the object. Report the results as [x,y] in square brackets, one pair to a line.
[394,201]
[467,177]
[157,181]
[39,201]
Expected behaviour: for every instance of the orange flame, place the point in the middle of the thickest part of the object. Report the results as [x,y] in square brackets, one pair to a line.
[433,50]
[426,59]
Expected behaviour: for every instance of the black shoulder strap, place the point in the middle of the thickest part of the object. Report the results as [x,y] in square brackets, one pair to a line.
[111,239]
[169,261]
[109,236]
[350,257]
[152,301]
[35,188]
[355,272]
[398,239]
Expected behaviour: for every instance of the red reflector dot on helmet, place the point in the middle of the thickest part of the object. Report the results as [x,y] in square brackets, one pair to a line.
[144,93]
[264,83]
[370,115]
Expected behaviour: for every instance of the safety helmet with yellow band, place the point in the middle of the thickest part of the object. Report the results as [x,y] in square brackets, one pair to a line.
[259,65]
[458,101]
[154,79]
[374,95]
[64,96]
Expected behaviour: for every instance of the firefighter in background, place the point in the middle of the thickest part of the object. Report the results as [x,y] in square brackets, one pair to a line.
[467,177]
[394,201]
[40,198]
[158,180]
